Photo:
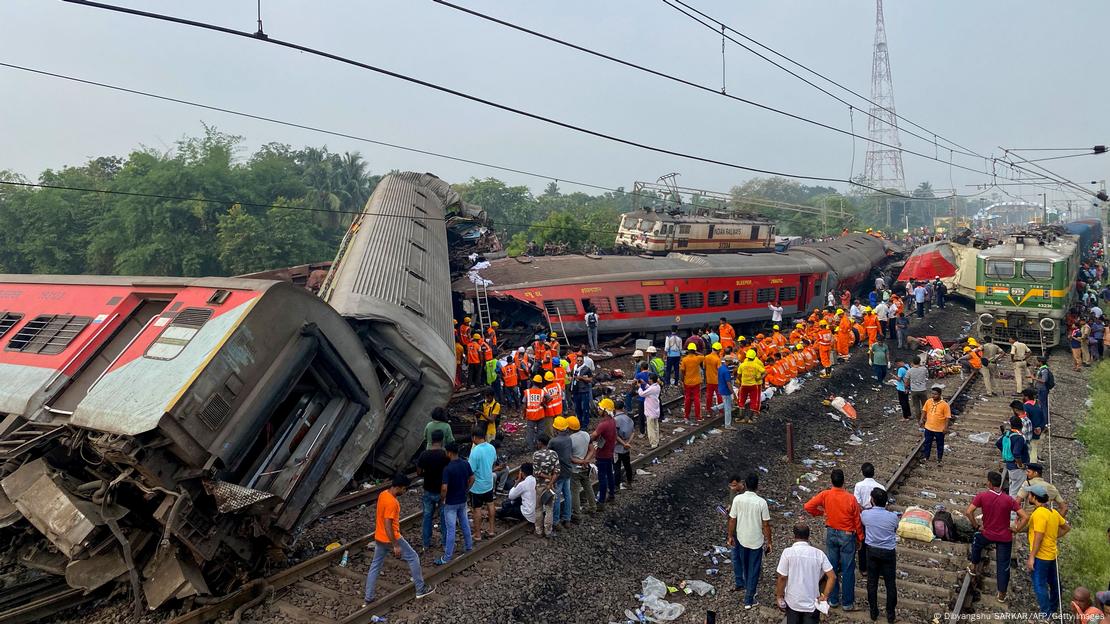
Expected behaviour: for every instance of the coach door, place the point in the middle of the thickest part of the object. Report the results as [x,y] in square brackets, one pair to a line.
[803,292]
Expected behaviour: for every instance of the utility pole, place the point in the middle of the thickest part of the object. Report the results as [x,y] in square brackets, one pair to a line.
[883,165]
[1044,207]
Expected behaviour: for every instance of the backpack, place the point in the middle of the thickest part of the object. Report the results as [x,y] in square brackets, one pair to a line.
[591,319]
[943,526]
[1007,447]
[1050,379]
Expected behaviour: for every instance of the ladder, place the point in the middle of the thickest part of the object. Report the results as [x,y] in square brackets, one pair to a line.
[482,298]
[563,340]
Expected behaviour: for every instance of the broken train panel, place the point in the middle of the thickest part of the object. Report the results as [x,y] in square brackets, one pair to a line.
[391,281]
[167,431]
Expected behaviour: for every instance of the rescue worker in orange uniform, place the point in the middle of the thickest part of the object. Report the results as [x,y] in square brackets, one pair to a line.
[824,349]
[871,326]
[711,363]
[474,361]
[553,344]
[773,374]
[690,369]
[727,334]
[553,401]
[810,354]
[491,334]
[843,339]
[798,333]
[510,382]
[464,331]
[777,338]
[534,415]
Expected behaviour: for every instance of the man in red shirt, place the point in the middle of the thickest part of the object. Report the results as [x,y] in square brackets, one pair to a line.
[843,533]
[387,537]
[993,529]
[605,437]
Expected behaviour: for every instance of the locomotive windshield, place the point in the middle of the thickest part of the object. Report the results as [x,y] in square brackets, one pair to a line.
[999,268]
[1038,270]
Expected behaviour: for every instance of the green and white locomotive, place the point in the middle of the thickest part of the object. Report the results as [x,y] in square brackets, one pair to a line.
[1025,286]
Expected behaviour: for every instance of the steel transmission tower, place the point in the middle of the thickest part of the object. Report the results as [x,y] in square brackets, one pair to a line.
[883,166]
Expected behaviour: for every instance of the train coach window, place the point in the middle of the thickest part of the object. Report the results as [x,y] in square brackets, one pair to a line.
[763,295]
[999,268]
[755,232]
[742,296]
[663,301]
[689,300]
[48,334]
[788,293]
[8,321]
[1037,270]
[630,303]
[683,229]
[178,334]
[600,305]
[560,307]
[718,298]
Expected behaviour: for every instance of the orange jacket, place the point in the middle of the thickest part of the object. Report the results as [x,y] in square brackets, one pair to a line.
[491,336]
[778,339]
[533,403]
[509,375]
[465,334]
[797,335]
[473,353]
[843,341]
[553,399]
[728,334]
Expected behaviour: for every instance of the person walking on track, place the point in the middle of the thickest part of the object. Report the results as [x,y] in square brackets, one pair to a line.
[387,538]
[880,531]
[935,416]
[996,506]
[749,536]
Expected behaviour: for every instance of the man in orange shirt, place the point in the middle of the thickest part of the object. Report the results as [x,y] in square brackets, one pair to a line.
[777,338]
[710,364]
[843,534]
[824,349]
[387,537]
[690,369]
[843,339]
[474,361]
[935,416]
[798,333]
[727,333]
[871,326]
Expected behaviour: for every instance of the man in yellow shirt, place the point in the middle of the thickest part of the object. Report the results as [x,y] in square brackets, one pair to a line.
[690,371]
[934,418]
[1046,526]
[491,415]
[750,375]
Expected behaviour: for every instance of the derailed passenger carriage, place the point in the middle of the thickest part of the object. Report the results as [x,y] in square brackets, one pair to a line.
[167,429]
[168,432]
[649,294]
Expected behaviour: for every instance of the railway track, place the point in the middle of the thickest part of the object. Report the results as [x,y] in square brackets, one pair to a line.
[933,582]
[321,591]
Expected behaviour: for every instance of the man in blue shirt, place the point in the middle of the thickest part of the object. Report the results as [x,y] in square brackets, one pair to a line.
[642,377]
[1016,456]
[482,458]
[1036,417]
[457,479]
[880,527]
[725,389]
[900,370]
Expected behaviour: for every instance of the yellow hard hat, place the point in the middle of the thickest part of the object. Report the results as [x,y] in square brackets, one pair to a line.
[840,310]
[554,335]
[573,424]
[966,349]
[560,423]
[866,308]
[750,354]
[741,338]
[549,376]
[538,379]
[973,342]
[824,323]
[606,404]
[466,319]
[691,347]
[716,346]
[799,324]
[799,346]
[495,324]
[775,327]
[477,336]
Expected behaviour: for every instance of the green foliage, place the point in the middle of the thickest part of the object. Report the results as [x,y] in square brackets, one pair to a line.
[1084,557]
[61,231]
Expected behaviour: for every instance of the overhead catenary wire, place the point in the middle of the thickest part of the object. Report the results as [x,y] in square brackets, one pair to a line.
[962,149]
[690,83]
[475,98]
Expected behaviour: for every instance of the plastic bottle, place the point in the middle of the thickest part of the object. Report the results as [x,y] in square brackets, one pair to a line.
[344,560]
[377,618]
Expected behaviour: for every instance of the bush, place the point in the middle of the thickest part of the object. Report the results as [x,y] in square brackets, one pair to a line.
[1085,553]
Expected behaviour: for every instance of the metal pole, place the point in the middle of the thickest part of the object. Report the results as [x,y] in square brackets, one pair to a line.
[1044,207]
[790,442]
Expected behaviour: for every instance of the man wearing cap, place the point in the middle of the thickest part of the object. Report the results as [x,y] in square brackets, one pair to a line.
[658,365]
[563,446]
[605,439]
[711,364]
[1019,355]
[534,413]
[582,455]
[751,386]
[1033,478]
[996,506]
[725,388]
[691,372]
[1046,526]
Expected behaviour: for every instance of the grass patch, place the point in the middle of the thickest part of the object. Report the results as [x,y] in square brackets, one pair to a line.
[1085,552]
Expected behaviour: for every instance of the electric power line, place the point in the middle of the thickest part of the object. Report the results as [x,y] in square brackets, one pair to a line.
[689,83]
[966,151]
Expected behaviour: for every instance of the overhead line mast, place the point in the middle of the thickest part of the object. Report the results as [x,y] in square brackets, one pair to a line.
[883,165]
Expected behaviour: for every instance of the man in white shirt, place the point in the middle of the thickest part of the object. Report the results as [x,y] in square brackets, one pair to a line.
[521,501]
[776,312]
[881,313]
[801,570]
[856,312]
[749,535]
[862,492]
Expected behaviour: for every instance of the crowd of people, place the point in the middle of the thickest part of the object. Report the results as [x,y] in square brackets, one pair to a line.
[577,437]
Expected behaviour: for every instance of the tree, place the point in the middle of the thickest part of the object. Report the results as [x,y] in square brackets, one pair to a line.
[924,190]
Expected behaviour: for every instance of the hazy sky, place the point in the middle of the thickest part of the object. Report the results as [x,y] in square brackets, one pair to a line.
[985,74]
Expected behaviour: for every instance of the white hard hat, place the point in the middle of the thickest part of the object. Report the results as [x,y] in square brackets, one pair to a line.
[637,353]
[652,349]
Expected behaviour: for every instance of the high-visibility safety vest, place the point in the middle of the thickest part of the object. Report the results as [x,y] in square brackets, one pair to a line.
[491,336]
[533,403]
[560,375]
[509,375]
[465,334]
[487,352]
[554,403]
[473,353]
